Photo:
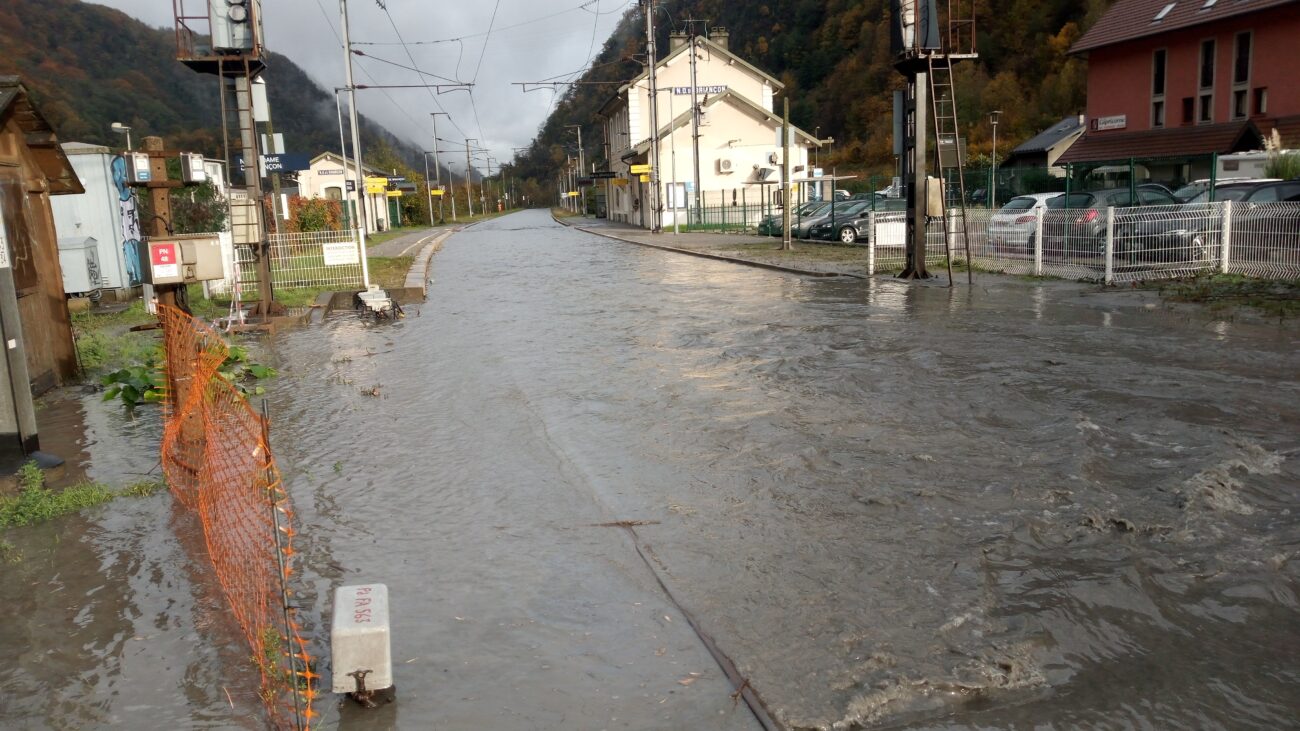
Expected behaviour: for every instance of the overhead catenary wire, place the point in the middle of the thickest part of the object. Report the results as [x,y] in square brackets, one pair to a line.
[521,24]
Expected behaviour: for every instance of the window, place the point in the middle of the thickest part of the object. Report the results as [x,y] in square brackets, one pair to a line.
[1189,110]
[1241,66]
[1207,64]
[1158,64]
[1261,100]
[1163,12]
[1239,107]
[1205,99]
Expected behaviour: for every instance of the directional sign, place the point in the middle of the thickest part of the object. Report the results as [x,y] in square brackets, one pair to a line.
[396,179]
[393,193]
[640,169]
[407,187]
[351,186]
[286,163]
[585,182]
[436,193]
[376,186]
[604,175]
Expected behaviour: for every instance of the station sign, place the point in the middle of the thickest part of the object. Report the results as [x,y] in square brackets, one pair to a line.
[604,175]
[291,162]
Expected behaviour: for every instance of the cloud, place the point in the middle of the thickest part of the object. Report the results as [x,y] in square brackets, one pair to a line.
[499,115]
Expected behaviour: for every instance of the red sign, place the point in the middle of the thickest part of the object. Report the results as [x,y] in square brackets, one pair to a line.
[162,254]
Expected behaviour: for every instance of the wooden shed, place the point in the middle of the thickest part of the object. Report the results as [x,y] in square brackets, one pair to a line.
[33,168]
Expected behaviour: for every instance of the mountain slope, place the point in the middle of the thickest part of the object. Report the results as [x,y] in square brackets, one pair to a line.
[834,57]
[89,66]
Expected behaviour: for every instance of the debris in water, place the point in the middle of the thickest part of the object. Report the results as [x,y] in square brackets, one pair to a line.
[625,524]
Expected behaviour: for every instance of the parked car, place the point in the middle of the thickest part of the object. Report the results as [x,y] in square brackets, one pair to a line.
[826,228]
[1012,227]
[852,225]
[1196,188]
[803,224]
[1192,233]
[771,225]
[1081,231]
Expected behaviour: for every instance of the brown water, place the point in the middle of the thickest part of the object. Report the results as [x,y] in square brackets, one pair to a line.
[894,506]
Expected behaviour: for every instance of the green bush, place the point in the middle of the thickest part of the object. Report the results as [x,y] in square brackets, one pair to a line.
[1285,166]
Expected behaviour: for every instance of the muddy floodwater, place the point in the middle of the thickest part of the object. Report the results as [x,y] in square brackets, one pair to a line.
[1023,505]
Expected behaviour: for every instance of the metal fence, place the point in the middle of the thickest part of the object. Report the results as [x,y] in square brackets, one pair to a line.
[318,259]
[1107,244]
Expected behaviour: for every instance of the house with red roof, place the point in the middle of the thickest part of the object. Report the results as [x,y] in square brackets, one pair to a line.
[1174,83]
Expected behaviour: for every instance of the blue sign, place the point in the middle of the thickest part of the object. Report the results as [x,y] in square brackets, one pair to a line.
[286,162]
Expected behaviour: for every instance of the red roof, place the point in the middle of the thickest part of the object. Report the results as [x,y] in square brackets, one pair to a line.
[1130,19]
[1176,142]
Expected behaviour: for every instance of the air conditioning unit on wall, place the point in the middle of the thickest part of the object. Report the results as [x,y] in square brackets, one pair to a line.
[726,166]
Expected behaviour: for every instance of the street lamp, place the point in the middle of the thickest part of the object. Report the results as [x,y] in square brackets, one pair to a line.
[993,194]
[120,128]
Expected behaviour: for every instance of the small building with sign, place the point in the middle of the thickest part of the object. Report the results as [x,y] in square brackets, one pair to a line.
[740,146]
[331,177]
[33,168]
[1172,84]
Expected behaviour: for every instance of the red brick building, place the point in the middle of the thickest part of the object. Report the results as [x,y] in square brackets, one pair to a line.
[1189,79]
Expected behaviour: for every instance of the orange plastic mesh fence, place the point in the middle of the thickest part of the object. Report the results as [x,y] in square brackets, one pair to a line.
[218,463]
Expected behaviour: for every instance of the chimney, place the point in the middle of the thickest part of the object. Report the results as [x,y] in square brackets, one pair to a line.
[676,40]
[721,36]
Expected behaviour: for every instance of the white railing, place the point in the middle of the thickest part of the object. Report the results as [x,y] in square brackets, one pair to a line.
[1108,244]
[319,259]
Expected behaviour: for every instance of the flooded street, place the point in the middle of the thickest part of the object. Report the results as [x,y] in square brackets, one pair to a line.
[1026,505]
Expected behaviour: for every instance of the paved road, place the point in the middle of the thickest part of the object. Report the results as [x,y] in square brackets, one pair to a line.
[407,244]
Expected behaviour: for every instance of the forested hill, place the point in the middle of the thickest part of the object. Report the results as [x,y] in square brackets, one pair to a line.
[834,57]
[89,66]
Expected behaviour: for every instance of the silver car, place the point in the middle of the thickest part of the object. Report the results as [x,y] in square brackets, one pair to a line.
[1012,227]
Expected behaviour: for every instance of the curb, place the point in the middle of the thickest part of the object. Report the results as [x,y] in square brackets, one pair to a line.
[715,257]
[418,275]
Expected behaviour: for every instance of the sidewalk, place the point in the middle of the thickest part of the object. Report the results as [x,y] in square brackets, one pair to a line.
[405,245]
[808,258]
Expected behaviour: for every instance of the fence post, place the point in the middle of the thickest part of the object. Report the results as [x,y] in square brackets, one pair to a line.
[1226,246]
[1039,214]
[1110,244]
[871,244]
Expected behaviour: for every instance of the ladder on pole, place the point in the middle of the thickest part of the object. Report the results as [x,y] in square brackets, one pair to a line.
[943,105]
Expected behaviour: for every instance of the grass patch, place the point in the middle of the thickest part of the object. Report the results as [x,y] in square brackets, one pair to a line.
[8,553]
[36,503]
[1278,298]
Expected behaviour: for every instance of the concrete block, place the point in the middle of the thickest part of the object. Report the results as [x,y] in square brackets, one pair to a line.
[360,639]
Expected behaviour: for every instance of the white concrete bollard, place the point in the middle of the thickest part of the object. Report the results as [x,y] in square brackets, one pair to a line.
[360,641]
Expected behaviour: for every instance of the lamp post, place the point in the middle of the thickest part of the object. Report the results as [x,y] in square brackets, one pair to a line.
[120,128]
[993,189]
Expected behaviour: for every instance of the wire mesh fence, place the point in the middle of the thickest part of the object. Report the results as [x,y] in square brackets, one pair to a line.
[218,463]
[317,259]
[1105,244]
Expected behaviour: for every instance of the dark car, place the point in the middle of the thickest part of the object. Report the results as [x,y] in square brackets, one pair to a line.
[853,223]
[771,225]
[1193,231]
[1076,223]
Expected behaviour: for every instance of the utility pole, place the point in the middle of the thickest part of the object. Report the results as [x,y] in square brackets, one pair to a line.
[787,244]
[652,61]
[469,183]
[695,126]
[993,189]
[356,144]
[437,165]
[582,165]
[428,191]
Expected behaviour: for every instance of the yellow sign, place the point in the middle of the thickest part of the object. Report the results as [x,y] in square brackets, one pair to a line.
[645,178]
[394,193]
[573,194]
[376,186]
[620,181]
[436,193]
[640,169]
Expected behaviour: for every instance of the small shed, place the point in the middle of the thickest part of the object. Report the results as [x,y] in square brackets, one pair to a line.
[33,167]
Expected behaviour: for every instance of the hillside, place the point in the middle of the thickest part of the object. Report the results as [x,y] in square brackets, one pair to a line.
[89,66]
[833,56]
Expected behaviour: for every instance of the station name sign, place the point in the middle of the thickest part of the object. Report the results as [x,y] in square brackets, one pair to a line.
[686,90]
[1101,124]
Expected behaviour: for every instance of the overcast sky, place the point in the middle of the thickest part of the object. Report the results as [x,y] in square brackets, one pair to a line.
[517,50]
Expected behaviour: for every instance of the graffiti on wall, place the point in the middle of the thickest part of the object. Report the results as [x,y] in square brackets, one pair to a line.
[130,215]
